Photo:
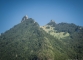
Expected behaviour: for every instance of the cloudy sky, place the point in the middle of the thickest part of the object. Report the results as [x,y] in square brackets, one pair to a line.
[42,11]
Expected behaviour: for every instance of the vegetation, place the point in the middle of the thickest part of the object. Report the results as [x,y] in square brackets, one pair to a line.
[74,40]
[51,30]
[27,41]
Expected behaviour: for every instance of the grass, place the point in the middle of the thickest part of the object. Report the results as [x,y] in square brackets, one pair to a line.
[53,32]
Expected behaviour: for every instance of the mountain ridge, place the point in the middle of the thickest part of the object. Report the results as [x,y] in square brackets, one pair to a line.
[28,41]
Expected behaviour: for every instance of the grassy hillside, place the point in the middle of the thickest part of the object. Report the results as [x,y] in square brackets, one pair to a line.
[28,41]
[69,34]
[51,30]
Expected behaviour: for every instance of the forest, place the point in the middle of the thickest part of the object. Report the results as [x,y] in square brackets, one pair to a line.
[28,41]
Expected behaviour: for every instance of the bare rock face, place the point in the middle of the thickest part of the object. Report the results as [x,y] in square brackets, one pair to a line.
[24,18]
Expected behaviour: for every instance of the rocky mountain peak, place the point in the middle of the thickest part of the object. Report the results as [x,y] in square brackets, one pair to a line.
[52,23]
[24,18]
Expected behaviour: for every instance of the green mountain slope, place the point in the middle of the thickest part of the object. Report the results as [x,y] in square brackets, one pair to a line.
[28,41]
[69,34]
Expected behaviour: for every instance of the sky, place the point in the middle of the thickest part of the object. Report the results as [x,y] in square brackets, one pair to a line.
[42,11]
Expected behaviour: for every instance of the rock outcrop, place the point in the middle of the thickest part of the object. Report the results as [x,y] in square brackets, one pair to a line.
[24,18]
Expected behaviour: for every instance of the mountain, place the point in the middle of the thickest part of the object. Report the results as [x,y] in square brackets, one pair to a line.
[69,34]
[28,41]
